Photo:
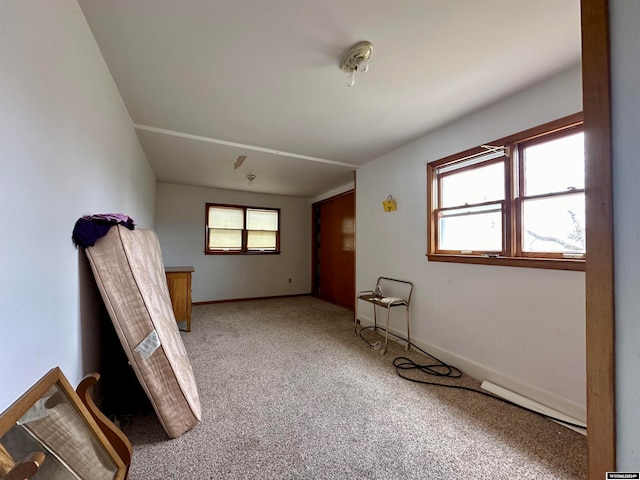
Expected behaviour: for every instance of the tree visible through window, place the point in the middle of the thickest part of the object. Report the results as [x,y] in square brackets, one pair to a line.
[238,229]
[521,197]
[553,202]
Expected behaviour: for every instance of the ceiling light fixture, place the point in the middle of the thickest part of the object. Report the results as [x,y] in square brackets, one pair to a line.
[251,177]
[356,60]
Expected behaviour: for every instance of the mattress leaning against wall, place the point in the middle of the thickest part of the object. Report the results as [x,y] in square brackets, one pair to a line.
[128,268]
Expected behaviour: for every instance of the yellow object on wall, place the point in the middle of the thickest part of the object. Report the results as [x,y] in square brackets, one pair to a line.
[389,204]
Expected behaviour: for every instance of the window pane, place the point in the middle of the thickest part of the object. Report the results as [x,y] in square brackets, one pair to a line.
[220,239]
[262,220]
[554,224]
[477,229]
[261,240]
[474,185]
[554,166]
[226,217]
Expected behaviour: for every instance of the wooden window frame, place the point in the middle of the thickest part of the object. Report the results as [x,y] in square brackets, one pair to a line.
[523,197]
[243,249]
[511,253]
[503,204]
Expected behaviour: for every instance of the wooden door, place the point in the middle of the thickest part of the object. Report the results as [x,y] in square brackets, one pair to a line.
[334,249]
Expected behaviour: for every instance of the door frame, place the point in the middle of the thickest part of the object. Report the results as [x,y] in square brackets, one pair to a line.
[599,273]
[314,239]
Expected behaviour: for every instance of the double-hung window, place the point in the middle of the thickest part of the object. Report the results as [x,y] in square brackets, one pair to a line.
[232,229]
[517,201]
[472,206]
[552,201]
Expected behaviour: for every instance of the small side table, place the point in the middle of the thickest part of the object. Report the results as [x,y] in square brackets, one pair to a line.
[401,288]
[179,283]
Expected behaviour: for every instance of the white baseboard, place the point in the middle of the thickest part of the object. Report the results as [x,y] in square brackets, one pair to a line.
[484,373]
[535,406]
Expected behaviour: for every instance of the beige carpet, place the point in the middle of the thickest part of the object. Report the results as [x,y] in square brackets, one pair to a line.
[288,392]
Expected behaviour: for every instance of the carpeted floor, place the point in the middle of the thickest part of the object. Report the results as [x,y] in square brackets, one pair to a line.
[288,392]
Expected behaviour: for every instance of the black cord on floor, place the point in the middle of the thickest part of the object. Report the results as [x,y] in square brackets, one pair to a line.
[442,369]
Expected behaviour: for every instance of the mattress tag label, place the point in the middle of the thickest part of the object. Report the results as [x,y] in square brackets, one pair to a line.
[149,345]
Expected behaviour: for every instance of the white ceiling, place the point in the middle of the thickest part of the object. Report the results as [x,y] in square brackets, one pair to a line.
[208,80]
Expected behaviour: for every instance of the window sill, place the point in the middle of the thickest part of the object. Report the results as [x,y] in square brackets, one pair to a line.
[548,263]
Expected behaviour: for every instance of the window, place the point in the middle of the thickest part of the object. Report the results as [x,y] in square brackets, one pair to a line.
[517,201]
[232,229]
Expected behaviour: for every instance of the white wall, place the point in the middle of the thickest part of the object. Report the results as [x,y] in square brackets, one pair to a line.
[180,217]
[68,148]
[625,89]
[521,328]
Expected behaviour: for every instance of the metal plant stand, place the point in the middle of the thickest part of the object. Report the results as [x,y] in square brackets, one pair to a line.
[375,297]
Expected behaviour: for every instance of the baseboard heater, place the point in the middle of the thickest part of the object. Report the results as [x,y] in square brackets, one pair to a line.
[533,405]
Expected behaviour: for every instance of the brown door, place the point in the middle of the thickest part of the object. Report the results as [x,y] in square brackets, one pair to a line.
[334,249]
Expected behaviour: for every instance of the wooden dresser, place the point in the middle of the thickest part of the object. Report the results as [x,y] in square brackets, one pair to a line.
[179,282]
